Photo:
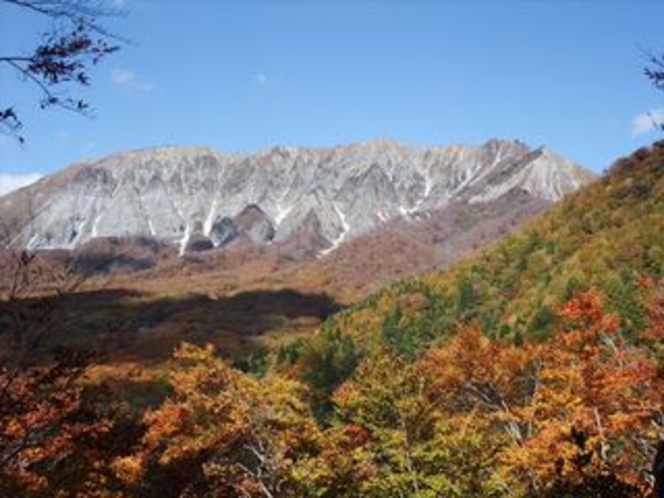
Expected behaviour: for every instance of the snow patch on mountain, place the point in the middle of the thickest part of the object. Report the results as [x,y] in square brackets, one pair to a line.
[176,193]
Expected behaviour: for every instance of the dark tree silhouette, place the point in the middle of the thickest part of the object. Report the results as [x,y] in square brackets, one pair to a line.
[658,471]
[655,70]
[63,57]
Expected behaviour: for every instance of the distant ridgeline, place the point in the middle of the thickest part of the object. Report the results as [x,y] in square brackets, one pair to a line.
[198,199]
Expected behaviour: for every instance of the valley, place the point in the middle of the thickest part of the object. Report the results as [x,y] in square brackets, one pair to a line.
[500,284]
[246,281]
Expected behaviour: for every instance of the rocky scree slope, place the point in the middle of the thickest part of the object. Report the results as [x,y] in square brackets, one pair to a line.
[200,199]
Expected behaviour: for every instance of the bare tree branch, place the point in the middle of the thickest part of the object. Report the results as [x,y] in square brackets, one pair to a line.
[64,56]
[655,71]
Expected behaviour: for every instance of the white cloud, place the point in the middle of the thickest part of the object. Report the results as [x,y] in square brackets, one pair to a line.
[259,79]
[127,79]
[647,122]
[11,181]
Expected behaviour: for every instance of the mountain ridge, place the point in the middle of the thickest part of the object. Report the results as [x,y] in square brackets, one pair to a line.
[179,194]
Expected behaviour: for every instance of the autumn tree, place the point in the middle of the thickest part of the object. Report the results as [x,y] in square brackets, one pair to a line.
[63,57]
[578,410]
[412,447]
[45,417]
[594,405]
[325,362]
[488,380]
[222,433]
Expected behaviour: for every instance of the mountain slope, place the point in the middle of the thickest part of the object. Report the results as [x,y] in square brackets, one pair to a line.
[182,194]
[609,235]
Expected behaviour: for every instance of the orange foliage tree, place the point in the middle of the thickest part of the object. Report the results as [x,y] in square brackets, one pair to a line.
[578,409]
[222,432]
[47,426]
[42,419]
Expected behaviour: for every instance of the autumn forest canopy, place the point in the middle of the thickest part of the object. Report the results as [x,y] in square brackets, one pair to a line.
[533,366]
[531,369]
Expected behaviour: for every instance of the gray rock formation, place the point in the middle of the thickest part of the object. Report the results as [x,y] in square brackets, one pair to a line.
[182,195]
[223,231]
[253,222]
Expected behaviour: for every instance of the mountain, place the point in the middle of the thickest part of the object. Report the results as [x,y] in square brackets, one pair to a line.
[308,200]
[608,236]
[540,348]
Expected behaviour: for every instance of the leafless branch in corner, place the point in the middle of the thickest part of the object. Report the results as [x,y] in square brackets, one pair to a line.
[64,56]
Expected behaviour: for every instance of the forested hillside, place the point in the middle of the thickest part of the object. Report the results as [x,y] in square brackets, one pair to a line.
[531,369]
[608,236]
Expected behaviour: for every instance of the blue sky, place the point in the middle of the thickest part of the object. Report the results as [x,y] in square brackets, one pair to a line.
[248,74]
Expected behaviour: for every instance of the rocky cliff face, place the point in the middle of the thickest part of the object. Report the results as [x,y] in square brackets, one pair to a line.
[198,198]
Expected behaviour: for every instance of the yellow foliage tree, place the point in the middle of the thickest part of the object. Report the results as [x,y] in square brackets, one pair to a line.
[222,432]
